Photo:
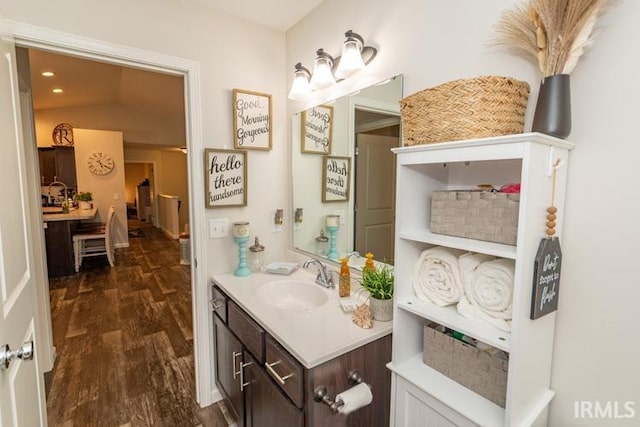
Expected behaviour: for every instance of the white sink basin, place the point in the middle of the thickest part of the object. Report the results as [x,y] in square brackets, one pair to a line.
[292,295]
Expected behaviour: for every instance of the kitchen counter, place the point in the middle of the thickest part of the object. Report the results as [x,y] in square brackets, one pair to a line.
[55,214]
[313,336]
[58,232]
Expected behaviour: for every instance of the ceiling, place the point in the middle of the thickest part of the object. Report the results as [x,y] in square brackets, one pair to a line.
[89,83]
[278,14]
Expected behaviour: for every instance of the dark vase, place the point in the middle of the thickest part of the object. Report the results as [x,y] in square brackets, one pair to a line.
[553,109]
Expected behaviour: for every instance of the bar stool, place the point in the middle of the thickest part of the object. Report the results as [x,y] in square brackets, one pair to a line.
[94,242]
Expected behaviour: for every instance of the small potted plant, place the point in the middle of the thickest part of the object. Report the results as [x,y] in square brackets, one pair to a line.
[84,199]
[378,281]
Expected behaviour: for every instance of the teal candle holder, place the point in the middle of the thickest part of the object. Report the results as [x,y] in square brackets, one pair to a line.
[333,253]
[243,269]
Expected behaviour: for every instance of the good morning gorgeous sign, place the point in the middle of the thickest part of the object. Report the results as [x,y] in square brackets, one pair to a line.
[317,126]
[226,178]
[251,120]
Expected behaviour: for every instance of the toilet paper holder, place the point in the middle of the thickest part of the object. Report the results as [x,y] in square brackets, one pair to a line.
[321,394]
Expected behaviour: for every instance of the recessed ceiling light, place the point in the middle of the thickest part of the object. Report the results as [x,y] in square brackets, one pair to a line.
[48,73]
[57,90]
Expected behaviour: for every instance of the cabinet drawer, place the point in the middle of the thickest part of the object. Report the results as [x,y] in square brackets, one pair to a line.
[219,303]
[246,329]
[285,370]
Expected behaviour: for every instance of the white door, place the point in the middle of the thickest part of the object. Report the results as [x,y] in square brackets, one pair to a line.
[21,383]
[375,195]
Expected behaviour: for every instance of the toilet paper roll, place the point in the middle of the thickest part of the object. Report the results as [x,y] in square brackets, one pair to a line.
[354,398]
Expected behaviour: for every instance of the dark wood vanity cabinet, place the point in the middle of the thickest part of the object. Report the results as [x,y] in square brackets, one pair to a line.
[265,405]
[228,359]
[57,164]
[267,386]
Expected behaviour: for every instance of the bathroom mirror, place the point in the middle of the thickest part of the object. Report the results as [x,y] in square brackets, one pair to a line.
[366,125]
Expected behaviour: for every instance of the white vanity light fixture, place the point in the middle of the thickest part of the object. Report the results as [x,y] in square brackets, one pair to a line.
[300,87]
[322,76]
[351,60]
[327,70]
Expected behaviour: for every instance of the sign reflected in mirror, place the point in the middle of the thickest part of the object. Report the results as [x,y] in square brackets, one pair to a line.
[336,178]
[365,126]
[317,128]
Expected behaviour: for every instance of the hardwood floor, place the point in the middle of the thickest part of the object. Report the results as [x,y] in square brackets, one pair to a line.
[124,341]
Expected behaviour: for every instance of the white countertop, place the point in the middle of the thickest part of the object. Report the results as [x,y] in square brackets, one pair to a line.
[73,215]
[313,336]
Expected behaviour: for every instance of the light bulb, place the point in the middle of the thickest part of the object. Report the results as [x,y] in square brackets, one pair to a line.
[351,60]
[322,71]
[300,86]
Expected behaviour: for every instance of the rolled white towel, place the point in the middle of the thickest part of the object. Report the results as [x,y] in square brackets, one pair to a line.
[491,289]
[468,263]
[436,276]
[470,311]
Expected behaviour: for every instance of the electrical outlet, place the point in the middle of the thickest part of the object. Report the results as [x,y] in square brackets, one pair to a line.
[218,228]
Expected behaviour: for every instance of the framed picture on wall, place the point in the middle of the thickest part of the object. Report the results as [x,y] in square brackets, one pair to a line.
[251,120]
[317,128]
[336,174]
[225,178]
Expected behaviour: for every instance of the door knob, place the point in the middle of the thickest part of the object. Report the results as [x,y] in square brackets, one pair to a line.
[25,352]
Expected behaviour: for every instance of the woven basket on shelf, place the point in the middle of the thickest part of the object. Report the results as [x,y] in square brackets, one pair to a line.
[481,215]
[464,109]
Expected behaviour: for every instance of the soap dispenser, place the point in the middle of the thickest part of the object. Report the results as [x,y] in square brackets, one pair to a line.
[368,264]
[344,289]
[256,256]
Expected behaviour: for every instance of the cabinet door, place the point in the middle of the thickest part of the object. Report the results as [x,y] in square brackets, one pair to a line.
[66,165]
[415,408]
[47,162]
[228,360]
[265,404]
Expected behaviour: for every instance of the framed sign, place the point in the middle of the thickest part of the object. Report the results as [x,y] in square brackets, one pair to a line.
[336,175]
[317,128]
[251,120]
[226,178]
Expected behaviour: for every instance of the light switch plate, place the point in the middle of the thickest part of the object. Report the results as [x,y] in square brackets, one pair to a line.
[218,228]
[342,215]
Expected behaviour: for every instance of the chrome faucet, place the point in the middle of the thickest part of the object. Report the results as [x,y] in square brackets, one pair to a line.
[64,194]
[324,277]
[350,254]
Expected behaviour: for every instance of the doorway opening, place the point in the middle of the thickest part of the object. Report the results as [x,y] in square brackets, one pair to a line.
[376,133]
[45,40]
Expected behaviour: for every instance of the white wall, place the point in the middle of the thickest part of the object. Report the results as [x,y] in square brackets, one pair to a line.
[107,190]
[596,351]
[232,53]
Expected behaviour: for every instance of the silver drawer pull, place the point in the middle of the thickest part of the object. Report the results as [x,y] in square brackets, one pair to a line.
[235,354]
[275,375]
[216,304]
[242,383]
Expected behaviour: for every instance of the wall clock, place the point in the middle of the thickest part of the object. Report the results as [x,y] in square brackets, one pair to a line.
[63,134]
[100,163]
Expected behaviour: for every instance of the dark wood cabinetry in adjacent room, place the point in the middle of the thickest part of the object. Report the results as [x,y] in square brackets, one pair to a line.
[57,164]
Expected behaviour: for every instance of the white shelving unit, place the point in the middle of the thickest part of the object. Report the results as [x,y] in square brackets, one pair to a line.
[419,392]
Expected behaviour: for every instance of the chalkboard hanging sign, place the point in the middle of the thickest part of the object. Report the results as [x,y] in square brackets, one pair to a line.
[226,178]
[546,278]
[251,120]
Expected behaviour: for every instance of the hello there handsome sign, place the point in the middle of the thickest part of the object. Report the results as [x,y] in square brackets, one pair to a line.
[226,178]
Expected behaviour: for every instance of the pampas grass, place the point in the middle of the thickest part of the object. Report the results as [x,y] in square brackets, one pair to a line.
[553,33]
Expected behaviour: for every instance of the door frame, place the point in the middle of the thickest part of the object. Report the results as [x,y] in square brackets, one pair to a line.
[30,36]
